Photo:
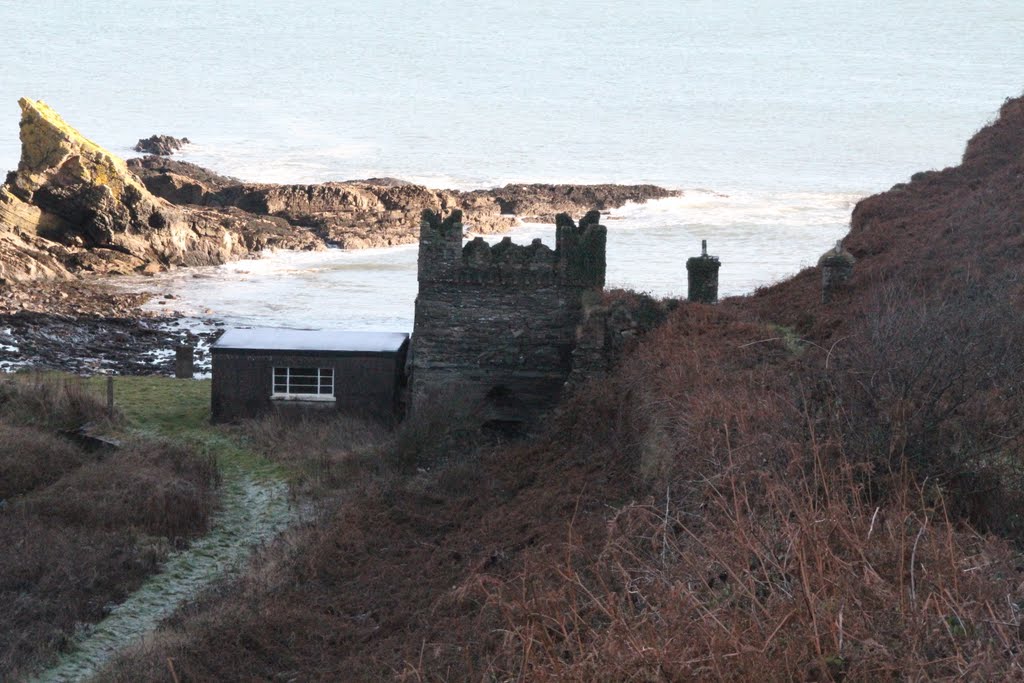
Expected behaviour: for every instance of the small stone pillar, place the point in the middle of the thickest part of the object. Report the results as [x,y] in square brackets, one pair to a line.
[702,276]
[110,396]
[184,362]
[836,268]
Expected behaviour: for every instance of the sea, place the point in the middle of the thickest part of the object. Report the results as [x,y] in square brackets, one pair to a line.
[772,117]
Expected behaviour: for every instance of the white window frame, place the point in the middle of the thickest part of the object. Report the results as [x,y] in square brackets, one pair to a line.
[324,384]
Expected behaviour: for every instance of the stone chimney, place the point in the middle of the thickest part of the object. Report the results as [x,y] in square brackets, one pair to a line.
[702,276]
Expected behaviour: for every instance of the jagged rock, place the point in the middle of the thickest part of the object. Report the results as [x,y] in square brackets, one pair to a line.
[123,343]
[162,145]
[24,257]
[540,203]
[153,166]
[180,182]
[74,206]
[382,211]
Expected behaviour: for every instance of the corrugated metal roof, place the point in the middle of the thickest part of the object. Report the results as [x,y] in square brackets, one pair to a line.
[284,339]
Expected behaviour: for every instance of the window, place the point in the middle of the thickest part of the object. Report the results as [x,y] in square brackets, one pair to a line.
[304,384]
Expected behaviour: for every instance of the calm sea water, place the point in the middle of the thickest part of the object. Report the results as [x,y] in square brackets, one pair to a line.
[773,116]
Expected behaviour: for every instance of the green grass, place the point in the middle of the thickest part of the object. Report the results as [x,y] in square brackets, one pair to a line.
[790,339]
[179,409]
[171,407]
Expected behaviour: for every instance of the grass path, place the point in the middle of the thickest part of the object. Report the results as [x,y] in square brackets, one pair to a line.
[254,507]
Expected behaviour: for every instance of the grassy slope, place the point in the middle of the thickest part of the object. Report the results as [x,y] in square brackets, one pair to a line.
[180,410]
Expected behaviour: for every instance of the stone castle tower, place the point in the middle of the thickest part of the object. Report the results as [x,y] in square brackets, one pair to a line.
[496,325]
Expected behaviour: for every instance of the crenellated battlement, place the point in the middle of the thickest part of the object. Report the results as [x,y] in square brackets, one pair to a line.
[578,259]
[581,249]
[496,324]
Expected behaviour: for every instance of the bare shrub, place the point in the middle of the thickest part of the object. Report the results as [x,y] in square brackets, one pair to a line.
[364,573]
[755,548]
[81,531]
[646,311]
[935,383]
[803,581]
[73,537]
[664,408]
[52,401]
[152,486]
[324,453]
[764,551]
[446,426]
[54,578]
[31,458]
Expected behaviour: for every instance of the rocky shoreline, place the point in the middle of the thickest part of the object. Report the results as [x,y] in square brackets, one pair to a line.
[380,212]
[73,214]
[88,327]
[73,207]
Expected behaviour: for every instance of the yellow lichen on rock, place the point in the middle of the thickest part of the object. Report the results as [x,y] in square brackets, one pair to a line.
[73,206]
[51,149]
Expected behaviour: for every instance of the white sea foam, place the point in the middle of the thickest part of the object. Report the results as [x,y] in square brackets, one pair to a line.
[721,209]
[761,237]
[273,162]
[6,334]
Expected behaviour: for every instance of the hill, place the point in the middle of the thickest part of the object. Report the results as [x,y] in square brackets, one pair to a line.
[771,488]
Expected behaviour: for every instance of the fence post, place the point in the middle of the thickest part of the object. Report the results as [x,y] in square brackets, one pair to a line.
[110,395]
[184,362]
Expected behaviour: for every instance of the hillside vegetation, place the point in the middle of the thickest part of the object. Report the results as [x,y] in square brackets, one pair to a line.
[769,489]
[81,527]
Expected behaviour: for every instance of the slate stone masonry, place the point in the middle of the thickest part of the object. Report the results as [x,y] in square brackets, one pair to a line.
[495,326]
[836,269]
[702,276]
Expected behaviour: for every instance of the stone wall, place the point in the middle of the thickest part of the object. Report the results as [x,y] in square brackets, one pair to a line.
[612,325]
[496,325]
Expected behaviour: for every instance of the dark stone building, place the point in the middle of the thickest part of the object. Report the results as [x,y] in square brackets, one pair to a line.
[496,325]
[256,371]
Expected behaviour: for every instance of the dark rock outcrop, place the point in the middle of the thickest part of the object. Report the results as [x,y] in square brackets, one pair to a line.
[151,166]
[179,182]
[163,145]
[89,324]
[383,211]
[540,203]
[130,345]
[73,206]
[353,214]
